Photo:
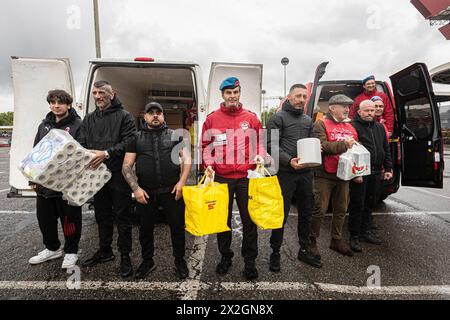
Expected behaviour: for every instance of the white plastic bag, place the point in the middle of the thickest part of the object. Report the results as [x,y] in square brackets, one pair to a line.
[257,173]
[355,162]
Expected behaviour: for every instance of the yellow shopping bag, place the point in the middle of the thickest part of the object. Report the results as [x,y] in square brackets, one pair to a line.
[206,209]
[265,201]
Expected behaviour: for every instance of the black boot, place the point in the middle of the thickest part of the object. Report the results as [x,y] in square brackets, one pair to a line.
[372,237]
[307,257]
[275,261]
[126,269]
[224,265]
[355,244]
[145,268]
[182,269]
[100,256]
[250,271]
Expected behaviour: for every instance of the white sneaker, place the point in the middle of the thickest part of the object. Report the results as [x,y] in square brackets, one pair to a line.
[70,260]
[46,255]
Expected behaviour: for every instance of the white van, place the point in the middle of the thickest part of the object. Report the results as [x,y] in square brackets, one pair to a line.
[178,86]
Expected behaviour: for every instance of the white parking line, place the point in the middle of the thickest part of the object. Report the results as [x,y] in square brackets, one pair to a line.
[4,190]
[195,286]
[428,192]
[195,265]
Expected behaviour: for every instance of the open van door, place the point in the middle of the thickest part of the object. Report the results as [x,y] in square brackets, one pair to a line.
[422,162]
[250,77]
[32,79]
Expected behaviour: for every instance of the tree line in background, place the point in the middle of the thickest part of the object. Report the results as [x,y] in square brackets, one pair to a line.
[6,118]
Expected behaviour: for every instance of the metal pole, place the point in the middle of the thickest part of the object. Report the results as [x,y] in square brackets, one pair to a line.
[285,80]
[98,52]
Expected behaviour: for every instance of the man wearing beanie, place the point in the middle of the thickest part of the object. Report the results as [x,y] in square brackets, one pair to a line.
[370,90]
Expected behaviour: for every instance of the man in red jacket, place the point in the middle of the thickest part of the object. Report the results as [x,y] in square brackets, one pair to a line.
[370,90]
[231,145]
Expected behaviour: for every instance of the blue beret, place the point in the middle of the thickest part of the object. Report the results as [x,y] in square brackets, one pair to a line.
[229,83]
[367,79]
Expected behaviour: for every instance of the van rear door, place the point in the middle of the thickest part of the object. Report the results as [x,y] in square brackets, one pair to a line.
[32,79]
[250,77]
[422,162]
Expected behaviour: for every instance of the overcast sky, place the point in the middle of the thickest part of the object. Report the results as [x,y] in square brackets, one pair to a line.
[358,37]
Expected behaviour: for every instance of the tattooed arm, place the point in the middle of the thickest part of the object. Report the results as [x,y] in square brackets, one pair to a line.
[131,178]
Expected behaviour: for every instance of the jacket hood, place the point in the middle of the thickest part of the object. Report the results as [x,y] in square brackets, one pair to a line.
[51,119]
[116,105]
[289,108]
[358,119]
[147,129]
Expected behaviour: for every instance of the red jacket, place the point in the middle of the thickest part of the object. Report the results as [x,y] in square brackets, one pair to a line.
[388,114]
[231,138]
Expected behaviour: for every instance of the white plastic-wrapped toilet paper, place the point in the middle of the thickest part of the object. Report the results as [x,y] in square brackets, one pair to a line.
[308,150]
[70,147]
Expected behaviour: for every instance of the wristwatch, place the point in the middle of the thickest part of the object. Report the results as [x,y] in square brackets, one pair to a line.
[106,155]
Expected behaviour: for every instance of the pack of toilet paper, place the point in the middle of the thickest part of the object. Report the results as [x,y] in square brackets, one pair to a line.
[86,185]
[59,161]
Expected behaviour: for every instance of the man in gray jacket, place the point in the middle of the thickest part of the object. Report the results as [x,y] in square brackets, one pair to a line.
[295,179]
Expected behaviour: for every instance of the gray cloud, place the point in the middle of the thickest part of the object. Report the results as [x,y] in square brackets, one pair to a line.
[307,32]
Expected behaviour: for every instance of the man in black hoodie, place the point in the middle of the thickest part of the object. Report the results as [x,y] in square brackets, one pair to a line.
[295,179]
[364,192]
[49,204]
[106,131]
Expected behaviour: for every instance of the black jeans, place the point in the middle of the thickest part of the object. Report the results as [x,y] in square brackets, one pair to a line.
[249,230]
[300,184]
[113,203]
[174,211]
[363,199]
[48,211]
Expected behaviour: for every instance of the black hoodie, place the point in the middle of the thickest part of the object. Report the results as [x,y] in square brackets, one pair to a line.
[293,125]
[110,130]
[71,124]
[372,135]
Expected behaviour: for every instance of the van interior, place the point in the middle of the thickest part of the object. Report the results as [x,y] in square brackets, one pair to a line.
[136,85]
[326,91]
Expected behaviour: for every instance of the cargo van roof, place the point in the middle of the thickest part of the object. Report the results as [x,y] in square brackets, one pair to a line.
[132,61]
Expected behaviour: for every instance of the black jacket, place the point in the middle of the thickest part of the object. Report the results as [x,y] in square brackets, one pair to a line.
[71,124]
[293,125]
[109,130]
[156,171]
[373,136]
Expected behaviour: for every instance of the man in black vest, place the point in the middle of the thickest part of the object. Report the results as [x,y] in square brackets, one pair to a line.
[158,180]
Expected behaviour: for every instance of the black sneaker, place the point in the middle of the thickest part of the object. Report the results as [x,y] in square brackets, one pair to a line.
[145,268]
[224,265]
[355,244]
[98,257]
[275,262]
[126,269]
[250,271]
[308,258]
[371,237]
[182,269]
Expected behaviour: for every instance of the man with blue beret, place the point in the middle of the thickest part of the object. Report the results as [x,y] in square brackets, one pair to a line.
[370,90]
[231,146]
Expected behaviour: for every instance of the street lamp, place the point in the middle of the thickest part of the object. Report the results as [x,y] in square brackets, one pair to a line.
[98,53]
[284,62]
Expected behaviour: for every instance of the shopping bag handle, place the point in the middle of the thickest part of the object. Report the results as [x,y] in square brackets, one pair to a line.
[260,165]
[203,180]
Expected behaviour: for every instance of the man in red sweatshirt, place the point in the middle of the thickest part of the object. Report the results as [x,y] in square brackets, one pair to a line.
[231,145]
[370,90]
